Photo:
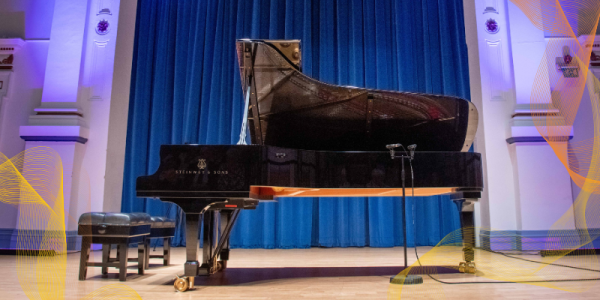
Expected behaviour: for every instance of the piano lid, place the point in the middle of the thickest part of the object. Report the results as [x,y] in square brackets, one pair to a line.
[289,109]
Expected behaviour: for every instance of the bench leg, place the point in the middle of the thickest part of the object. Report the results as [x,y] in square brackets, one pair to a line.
[147,247]
[142,262]
[85,256]
[166,252]
[105,257]
[122,261]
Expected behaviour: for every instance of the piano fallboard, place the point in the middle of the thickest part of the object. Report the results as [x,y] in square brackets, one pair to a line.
[266,172]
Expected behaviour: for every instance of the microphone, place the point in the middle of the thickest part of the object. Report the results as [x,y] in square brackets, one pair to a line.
[391,147]
[412,148]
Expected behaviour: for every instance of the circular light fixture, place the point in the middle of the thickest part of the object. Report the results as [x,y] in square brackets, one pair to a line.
[491,26]
[102,27]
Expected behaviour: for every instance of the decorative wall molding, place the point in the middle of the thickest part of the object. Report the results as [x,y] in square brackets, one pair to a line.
[8,47]
[495,69]
[98,70]
[7,60]
[535,139]
[76,139]
[5,80]
[595,53]
[567,65]
[8,238]
[101,29]
[6,90]
[537,240]
[491,6]
[102,7]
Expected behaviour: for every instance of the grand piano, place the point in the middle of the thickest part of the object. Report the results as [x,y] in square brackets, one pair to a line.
[313,139]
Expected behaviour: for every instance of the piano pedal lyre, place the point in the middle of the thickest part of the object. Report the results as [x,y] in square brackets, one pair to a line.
[183,283]
[215,266]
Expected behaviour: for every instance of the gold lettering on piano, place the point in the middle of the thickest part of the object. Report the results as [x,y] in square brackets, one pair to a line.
[201,172]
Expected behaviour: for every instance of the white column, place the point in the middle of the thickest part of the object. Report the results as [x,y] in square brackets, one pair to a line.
[96,99]
[499,211]
[9,49]
[543,183]
[58,122]
[74,115]
[63,68]
[119,106]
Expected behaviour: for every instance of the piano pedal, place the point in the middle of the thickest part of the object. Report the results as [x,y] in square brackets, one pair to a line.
[467,267]
[183,284]
[215,266]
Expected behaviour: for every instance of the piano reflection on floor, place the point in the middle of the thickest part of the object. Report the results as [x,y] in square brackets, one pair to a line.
[312,139]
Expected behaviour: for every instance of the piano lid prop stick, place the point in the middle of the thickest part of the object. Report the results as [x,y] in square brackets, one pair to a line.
[242,140]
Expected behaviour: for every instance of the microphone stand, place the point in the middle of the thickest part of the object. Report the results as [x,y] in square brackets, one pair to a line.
[404,279]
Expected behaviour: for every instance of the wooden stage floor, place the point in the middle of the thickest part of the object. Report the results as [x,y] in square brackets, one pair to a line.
[257,274]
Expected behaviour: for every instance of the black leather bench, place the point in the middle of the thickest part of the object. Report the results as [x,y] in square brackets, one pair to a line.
[161,228]
[107,229]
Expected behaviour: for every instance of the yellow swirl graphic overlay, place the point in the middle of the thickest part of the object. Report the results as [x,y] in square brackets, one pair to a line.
[581,159]
[33,181]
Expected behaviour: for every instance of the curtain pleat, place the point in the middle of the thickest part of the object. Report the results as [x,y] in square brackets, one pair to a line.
[186,89]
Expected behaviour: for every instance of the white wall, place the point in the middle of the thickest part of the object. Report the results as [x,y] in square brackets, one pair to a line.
[95,100]
[528,47]
[583,130]
[503,67]
[30,20]
[80,75]
[117,134]
[26,19]
[482,210]
[496,105]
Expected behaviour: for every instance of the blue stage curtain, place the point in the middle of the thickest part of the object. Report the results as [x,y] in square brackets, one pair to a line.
[185,88]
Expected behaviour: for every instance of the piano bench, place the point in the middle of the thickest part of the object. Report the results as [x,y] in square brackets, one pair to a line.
[161,228]
[107,229]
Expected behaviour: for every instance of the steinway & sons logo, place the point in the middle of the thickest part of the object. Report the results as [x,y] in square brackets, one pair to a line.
[201,169]
[201,163]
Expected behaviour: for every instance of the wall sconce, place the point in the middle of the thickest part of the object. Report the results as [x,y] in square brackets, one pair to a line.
[567,64]
[595,59]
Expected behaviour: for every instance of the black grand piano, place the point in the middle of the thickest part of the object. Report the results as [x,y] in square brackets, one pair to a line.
[313,139]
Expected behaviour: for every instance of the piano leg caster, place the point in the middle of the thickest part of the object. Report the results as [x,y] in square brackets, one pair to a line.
[223,264]
[184,283]
[467,267]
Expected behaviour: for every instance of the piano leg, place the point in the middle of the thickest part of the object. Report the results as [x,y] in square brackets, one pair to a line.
[208,237]
[190,268]
[467,225]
